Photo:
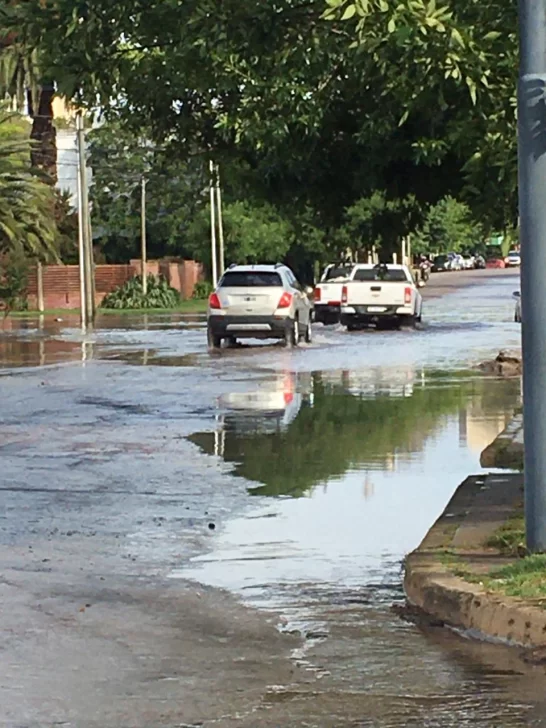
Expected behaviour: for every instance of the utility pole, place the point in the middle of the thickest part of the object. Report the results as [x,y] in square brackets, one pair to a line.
[220,222]
[143,254]
[87,303]
[213,225]
[532,208]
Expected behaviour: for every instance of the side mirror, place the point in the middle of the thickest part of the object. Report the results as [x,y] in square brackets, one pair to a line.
[516,294]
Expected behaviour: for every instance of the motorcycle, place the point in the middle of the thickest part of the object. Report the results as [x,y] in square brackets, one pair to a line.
[424,272]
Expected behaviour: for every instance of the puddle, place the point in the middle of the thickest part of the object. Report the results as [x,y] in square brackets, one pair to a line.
[348,476]
[287,441]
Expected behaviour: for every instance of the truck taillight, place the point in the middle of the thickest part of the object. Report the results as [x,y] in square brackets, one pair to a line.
[344,295]
[317,294]
[214,301]
[286,300]
[407,295]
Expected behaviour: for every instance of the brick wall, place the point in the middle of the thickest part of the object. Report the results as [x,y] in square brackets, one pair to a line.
[61,283]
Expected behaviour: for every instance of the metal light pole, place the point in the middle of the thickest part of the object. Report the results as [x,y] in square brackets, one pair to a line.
[220,221]
[532,208]
[143,240]
[213,225]
[86,252]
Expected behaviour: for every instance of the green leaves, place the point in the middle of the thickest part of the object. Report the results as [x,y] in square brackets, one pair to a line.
[349,12]
[27,224]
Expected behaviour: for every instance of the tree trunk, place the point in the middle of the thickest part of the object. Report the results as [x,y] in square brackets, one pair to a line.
[44,152]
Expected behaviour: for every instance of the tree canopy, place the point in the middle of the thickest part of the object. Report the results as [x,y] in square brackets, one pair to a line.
[310,106]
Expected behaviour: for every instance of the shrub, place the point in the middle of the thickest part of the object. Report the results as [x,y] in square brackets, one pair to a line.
[130,296]
[202,290]
[13,282]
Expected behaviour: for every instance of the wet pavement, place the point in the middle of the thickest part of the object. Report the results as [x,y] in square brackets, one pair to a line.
[242,518]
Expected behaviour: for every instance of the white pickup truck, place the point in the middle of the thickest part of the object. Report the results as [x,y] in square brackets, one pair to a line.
[327,294]
[380,295]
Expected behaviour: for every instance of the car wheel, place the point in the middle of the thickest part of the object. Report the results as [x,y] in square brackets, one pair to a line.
[214,341]
[292,333]
[308,332]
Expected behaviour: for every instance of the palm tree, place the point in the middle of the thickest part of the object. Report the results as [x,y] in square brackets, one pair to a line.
[22,83]
[27,218]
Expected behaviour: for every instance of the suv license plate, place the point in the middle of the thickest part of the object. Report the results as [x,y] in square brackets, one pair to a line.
[376,309]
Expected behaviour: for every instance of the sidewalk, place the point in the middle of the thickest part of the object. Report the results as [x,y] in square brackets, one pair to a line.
[459,575]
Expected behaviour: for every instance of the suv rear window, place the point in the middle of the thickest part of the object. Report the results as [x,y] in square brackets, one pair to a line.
[251,279]
[338,272]
[372,274]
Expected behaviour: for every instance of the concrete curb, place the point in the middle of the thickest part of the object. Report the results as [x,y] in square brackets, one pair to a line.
[476,510]
[506,451]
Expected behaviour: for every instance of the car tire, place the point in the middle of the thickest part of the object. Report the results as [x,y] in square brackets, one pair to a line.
[292,333]
[213,340]
[308,337]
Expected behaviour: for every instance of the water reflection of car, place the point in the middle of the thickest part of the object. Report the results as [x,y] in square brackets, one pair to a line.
[274,405]
[517,312]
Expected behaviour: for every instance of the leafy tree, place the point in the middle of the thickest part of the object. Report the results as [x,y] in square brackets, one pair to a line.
[175,191]
[378,222]
[27,223]
[448,226]
[409,98]
[252,233]
[22,81]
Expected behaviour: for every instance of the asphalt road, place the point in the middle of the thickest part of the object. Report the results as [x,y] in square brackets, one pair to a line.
[188,540]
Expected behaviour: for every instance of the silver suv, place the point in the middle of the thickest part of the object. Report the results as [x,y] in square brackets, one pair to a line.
[258,302]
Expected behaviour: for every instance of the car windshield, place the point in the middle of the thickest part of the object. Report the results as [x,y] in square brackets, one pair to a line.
[251,279]
[341,271]
[440,259]
[380,274]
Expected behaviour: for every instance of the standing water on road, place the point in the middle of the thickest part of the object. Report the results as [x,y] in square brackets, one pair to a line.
[348,449]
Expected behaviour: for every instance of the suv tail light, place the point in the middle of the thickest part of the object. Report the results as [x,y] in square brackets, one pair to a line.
[407,295]
[344,295]
[286,300]
[214,301]
[317,294]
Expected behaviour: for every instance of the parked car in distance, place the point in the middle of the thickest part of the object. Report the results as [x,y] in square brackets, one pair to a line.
[258,302]
[479,262]
[457,261]
[440,263]
[513,259]
[327,293]
[495,263]
[469,262]
[517,312]
[380,295]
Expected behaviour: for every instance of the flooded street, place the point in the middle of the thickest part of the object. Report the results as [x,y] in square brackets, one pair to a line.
[268,497]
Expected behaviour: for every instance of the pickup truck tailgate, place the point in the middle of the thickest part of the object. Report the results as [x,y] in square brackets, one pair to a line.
[330,293]
[377,293]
